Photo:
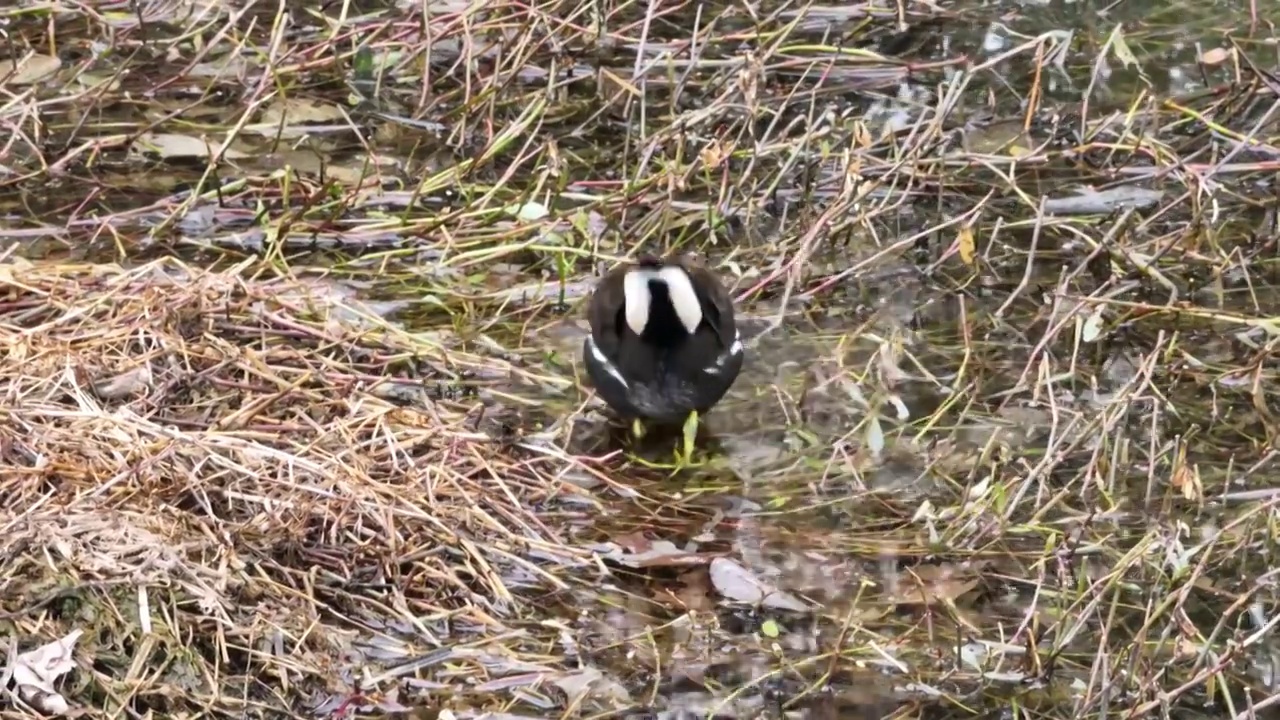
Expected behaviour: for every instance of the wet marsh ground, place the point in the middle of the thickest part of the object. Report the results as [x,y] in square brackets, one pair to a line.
[295,424]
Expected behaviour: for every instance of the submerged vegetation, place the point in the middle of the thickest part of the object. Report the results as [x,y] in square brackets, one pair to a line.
[294,421]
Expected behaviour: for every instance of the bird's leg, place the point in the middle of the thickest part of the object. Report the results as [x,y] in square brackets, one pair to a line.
[637,428]
[690,436]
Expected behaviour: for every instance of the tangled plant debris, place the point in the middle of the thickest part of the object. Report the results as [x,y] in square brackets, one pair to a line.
[293,425]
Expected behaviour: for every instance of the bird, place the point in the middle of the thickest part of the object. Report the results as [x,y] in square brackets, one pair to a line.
[663,341]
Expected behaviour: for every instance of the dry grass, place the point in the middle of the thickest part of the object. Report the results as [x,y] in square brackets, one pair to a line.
[208,478]
[291,425]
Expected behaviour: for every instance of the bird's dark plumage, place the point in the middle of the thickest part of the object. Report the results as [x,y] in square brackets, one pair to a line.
[663,340]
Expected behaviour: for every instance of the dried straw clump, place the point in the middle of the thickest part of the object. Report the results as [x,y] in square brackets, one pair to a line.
[199,468]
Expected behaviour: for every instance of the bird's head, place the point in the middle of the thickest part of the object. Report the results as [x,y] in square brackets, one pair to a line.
[638,292]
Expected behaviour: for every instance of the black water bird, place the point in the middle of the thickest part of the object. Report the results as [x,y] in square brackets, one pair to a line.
[663,340]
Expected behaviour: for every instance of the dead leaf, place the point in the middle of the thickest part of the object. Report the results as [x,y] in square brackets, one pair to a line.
[589,680]
[174,145]
[1185,477]
[297,111]
[929,584]
[861,135]
[106,82]
[28,70]
[125,384]
[596,225]
[229,67]
[714,154]
[738,583]
[655,553]
[1091,327]
[635,542]
[966,246]
[694,593]
[1216,56]
[34,673]
[1121,50]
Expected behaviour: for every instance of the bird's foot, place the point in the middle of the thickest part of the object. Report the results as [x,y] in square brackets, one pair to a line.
[684,455]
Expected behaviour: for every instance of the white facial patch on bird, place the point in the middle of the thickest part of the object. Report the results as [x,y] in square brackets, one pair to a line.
[638,299]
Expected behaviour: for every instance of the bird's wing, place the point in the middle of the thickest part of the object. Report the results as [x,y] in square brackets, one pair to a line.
[604,314]
[717,306]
